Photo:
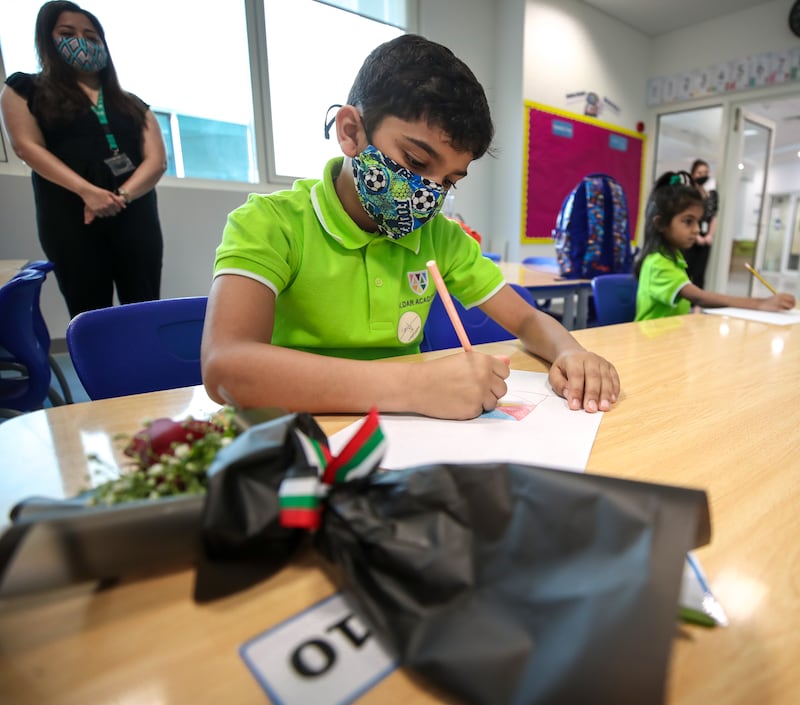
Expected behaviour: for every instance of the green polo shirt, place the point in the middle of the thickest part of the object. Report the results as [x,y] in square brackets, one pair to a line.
[341,290]
[660,282]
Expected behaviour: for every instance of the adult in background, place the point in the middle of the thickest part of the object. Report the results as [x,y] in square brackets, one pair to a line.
[697,255]
[96,153]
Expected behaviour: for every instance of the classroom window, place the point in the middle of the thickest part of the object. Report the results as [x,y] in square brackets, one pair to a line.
[311,69]
[192,65]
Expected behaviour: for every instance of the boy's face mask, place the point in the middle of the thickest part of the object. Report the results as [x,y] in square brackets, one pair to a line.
[397,199]
[82,54]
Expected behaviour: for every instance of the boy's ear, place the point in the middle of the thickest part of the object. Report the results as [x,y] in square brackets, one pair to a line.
[350,131]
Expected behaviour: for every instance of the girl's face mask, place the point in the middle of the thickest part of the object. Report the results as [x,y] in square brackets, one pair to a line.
[82,54]
[397,199]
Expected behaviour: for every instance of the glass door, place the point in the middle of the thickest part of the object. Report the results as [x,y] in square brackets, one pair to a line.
[781,249]
[743,207]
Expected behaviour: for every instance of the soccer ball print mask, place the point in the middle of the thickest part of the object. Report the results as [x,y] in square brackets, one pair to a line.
[397,199]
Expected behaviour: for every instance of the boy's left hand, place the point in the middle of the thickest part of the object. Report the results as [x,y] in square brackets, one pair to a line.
[585,380]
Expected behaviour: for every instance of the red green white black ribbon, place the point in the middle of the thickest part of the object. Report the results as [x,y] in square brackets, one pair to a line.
[301,491]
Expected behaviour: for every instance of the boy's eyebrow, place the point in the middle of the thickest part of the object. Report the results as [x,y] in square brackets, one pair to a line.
[423,145]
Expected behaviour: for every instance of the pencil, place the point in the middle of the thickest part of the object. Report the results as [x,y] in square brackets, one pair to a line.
[760,278]
[448,305]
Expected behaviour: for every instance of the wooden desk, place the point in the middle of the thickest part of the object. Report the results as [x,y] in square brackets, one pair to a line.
[707,402]
[10,267]
[546,283]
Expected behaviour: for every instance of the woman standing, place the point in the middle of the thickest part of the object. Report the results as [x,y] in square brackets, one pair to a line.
[96,153]
[697,255]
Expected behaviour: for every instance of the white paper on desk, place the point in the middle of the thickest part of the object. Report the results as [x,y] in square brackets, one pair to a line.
[531,425]
[778,318]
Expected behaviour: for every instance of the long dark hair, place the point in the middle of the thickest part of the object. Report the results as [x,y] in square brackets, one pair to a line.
[58,96]
[673,193]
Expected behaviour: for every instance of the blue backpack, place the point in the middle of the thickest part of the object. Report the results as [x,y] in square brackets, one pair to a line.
[592,233]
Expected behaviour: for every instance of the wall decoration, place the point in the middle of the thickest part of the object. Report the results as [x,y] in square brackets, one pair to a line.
[561,149]
[593,105]
[764,69]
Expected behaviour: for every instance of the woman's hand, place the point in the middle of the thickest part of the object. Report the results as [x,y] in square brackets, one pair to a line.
[585,380]
[100,203]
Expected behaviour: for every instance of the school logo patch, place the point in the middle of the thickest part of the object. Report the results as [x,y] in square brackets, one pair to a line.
[418,281]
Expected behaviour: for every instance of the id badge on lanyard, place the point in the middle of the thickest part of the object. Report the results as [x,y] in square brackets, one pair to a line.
[118,163]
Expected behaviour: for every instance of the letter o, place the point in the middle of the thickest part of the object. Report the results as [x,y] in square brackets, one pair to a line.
[322,647]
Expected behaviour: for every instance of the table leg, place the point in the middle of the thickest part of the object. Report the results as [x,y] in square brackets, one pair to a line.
[569,319]
[582,317]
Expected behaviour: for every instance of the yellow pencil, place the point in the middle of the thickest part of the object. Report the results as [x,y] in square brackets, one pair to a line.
[760,278]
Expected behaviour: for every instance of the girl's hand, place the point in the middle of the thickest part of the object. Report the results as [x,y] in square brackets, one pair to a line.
[459,386]
[779,302]
[585,380]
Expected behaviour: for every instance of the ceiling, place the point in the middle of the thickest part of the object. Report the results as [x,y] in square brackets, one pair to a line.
[654,17]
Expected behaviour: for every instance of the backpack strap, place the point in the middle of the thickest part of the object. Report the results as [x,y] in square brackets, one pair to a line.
[596,223]
[620,234]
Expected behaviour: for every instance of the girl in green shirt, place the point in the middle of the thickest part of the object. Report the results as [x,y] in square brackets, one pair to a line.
[672,224]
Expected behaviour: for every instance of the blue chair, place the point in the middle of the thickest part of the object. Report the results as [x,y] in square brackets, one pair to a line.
[541,261]
[494,256]
[25,362]
[65,395]
[439,333]
[139,347]
[614,298]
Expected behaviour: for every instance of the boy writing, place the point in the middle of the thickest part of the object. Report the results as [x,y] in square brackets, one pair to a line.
[312,285]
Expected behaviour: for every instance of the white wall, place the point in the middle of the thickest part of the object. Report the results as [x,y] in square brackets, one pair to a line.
[751,31]
[571,47]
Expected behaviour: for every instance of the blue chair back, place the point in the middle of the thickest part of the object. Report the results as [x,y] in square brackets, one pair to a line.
[139,347]
[494,256]
[25,362]
[439,333]
[541,261]
[614,298]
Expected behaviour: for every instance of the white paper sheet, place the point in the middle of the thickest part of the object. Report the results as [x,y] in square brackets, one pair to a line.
[532,425]
[778,318]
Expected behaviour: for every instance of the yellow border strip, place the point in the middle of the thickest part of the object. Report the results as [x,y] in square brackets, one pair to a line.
[531,105]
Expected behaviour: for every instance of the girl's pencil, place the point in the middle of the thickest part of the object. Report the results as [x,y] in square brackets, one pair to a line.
[448,305]
[760,278]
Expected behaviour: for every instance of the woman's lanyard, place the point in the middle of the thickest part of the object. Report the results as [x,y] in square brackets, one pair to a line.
[100,111]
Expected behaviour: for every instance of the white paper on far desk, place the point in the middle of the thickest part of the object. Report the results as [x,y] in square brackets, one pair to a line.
[778,318]
[532,425]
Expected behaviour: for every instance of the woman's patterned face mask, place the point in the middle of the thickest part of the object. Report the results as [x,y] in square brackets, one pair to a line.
[82,54]
[397,199]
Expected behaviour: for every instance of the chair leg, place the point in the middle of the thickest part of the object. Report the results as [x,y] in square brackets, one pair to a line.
[62,381]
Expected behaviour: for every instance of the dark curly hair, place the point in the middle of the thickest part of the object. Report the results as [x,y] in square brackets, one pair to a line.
[413,78]
[58,96]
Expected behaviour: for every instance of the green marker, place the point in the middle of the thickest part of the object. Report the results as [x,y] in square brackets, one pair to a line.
[693,616]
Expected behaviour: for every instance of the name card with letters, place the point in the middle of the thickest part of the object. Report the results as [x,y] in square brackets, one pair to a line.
[325,655]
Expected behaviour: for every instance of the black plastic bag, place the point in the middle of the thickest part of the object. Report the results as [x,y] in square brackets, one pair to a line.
[503,583]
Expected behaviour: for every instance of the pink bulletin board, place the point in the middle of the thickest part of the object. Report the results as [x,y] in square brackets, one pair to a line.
[561,149]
